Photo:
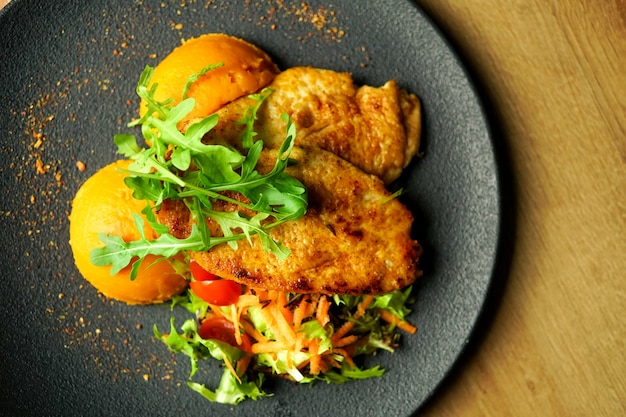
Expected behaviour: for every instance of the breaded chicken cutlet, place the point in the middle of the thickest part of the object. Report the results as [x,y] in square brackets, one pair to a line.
[355,238]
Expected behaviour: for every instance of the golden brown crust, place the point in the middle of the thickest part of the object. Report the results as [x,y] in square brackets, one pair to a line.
[353,239]
[350,141]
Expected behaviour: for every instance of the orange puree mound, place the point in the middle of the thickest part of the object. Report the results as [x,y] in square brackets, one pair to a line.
[246,70]
[104,204]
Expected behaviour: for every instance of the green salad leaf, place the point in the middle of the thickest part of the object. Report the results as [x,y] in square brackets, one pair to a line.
[347,373]
[231,391]
[189,343]
[381,336]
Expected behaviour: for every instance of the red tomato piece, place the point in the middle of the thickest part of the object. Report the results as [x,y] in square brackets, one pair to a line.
[220,292]
[218,328]
[246,344]
[222,329]
[201,274]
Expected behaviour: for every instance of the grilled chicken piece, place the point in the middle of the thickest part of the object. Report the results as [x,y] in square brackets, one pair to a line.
[354,239]
[376,129]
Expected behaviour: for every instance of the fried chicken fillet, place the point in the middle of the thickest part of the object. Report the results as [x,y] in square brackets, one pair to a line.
[375,128]
[354,239]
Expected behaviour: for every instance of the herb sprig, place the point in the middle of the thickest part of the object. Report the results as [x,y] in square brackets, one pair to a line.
[178,165]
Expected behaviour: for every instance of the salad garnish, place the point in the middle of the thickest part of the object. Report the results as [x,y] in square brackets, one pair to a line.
[304,337]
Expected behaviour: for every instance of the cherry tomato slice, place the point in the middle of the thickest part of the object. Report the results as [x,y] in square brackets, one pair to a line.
[201,274]
[220,292]
[218,328]
[221,329]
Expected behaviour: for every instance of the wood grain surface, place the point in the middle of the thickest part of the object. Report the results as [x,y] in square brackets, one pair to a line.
[553,74]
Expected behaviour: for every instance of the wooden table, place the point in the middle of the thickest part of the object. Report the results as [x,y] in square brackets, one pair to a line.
[554,75]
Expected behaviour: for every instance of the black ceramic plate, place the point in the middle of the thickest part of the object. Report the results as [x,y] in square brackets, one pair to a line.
[67,72]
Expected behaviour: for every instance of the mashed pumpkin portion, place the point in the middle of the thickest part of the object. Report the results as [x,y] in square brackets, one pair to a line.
[104,204]
[245,70]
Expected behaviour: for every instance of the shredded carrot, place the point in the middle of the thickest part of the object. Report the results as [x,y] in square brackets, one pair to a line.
[391,318]
[261,294]
[304,363]
[252,331]
[272,295]
[247,300]
[315,361]
[230,367]
[324,364]
[270,346]
[234,318]
[281,300]
[314,299]
[315,364]
[285,330]
[342,331]
[344,353]
[321,314]
[330,361]
[360,310]
[299,342]
[216,310]
[345,341]
[243,363]
[268,319]
[349,325]
[300,311]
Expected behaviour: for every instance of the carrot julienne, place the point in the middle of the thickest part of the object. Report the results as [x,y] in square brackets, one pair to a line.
[321,313]
[393,319]
[304,337]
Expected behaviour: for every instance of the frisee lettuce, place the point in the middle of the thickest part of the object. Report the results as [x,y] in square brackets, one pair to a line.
[178,165]
[379,336]
[189,343]
[231,391]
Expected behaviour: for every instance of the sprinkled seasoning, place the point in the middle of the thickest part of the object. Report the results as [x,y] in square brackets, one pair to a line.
[117,345]
[320,22]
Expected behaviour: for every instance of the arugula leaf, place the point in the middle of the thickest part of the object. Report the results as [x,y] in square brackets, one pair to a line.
[178,165]
[247,137]
[194,77]
[119,253]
